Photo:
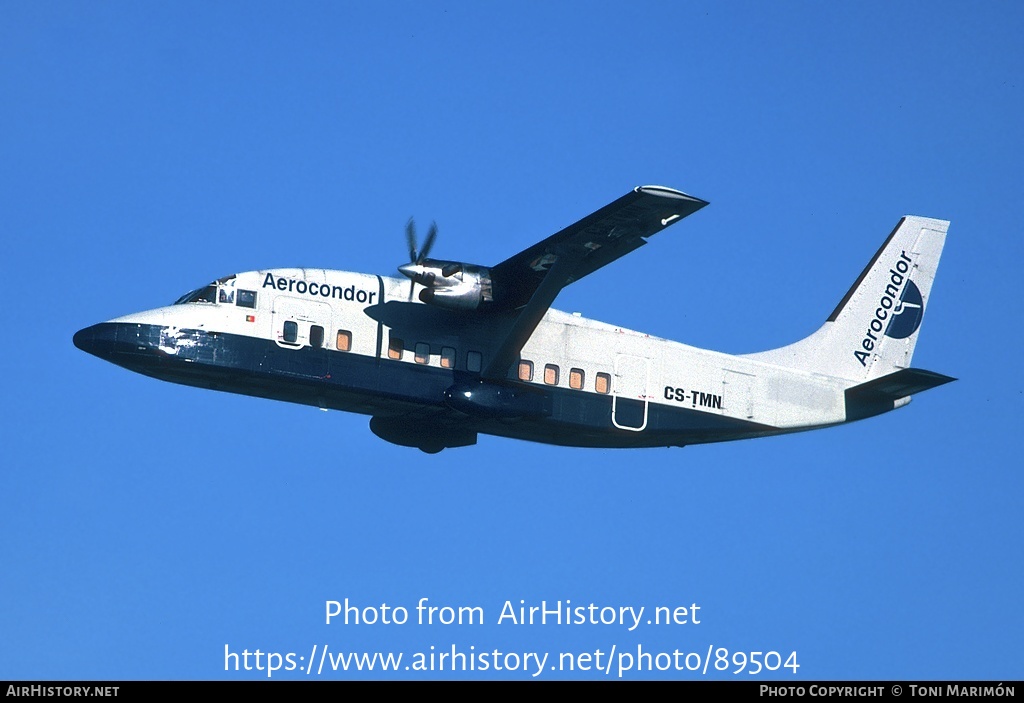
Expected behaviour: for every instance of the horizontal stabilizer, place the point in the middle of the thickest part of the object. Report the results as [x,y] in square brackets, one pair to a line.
[879,395]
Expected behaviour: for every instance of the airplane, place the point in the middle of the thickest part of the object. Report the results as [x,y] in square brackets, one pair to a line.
[460,349]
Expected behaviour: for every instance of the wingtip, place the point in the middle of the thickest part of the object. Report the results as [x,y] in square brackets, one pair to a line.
[665,192]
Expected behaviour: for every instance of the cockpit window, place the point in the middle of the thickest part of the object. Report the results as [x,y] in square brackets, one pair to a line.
[202,295]
[221,291]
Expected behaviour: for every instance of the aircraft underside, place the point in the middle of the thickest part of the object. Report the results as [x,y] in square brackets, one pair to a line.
[408,402]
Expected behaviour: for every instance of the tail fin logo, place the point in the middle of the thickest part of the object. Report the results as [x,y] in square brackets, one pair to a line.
[899,310]
[907,313]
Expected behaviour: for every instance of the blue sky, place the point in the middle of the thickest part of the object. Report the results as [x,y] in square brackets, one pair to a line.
[149,148]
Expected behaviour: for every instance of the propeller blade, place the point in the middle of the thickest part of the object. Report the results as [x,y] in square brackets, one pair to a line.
[428,243]
[414,257]
[410,238]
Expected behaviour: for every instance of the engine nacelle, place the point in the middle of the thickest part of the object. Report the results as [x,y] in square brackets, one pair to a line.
[451,298]
[451,284]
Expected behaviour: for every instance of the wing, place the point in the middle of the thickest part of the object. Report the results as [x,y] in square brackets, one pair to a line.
[598,239]
[531,279]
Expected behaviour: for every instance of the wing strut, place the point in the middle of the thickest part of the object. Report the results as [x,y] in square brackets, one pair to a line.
[530,316]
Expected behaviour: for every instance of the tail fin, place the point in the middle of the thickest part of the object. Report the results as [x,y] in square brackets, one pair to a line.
[873,330]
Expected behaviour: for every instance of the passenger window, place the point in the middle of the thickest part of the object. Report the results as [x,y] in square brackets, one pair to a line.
[525,370]
[291,331]
[422,355]
[246,299]
[447,358]
[576,378]
[474,361]
[603,383]
[344,340]
[551,374]
[316,336]
[395,348]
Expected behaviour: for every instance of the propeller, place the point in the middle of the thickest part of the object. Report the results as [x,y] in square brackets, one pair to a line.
[428,243]
[415,257]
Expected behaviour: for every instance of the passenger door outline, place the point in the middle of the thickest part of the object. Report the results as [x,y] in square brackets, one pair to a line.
[629,386]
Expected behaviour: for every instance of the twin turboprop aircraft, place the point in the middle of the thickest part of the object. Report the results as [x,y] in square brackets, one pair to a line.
[461,349]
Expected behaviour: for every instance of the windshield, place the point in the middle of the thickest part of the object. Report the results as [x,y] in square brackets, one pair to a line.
[222,291]
[201,295]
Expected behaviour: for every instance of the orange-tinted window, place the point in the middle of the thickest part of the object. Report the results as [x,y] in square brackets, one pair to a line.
[447,357]
[344,340]
[603,383]
[525,370]
[576,378]
[551,374]
[395,348]
[422,353]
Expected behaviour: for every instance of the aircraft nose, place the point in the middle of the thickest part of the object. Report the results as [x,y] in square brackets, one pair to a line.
[99,340]
[85,339]
[122,343]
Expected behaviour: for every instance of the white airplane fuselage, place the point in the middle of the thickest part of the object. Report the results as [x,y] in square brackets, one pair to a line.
[435,372]
[586,383]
